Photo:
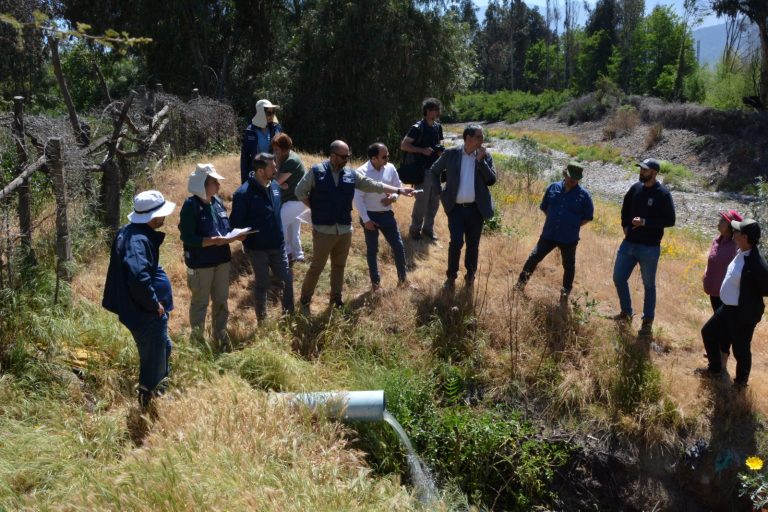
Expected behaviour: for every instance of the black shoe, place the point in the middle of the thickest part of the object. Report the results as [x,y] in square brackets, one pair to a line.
[739,387]
[415,235]
[337,302]
[449,285]
[708,373]
[430,236]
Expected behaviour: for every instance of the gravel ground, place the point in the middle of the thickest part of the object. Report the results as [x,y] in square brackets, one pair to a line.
[695,207]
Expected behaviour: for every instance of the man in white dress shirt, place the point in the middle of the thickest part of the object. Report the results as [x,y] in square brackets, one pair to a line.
[376,214]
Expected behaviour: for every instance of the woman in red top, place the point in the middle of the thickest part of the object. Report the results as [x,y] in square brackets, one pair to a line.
[721,253]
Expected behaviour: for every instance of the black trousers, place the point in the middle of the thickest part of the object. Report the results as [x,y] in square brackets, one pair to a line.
[544,247]
[464,223]
[723,325]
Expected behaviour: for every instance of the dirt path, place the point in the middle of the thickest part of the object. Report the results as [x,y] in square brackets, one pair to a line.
[696,207]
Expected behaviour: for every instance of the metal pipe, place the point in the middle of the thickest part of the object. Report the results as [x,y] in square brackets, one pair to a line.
[343,405]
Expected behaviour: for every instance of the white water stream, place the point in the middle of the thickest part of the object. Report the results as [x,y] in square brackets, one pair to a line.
[426,490]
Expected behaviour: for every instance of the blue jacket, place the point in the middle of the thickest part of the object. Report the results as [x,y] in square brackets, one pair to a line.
[565,212]
[135,280]
[258,208]
[255,141]
[198,221]
[331,202]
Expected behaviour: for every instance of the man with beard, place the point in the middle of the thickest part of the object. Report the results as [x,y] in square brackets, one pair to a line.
[646,211]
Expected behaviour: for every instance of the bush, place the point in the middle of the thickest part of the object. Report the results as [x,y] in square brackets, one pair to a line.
[654,135]
[623,122]
[509,106]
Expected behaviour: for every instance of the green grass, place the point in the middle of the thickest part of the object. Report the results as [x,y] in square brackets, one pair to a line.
[564,143]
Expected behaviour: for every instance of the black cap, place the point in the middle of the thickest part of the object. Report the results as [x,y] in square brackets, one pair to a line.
[650,163]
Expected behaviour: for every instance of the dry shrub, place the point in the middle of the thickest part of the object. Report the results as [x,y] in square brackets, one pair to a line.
[622,122]
[226,445]
[654,135]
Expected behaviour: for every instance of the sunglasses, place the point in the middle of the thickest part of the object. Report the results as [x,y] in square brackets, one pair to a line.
[269,112]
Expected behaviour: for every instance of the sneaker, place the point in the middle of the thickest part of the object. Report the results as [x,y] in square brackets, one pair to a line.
[415,235]
[429,235]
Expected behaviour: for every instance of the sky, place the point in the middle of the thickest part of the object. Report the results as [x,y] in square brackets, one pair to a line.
[649,5]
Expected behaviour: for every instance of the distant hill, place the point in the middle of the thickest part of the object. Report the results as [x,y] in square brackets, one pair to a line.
[712,42]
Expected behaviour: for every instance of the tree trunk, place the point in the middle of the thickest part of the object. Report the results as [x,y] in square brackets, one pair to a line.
[762,26]
[77,129]
[25,208]
[110,174]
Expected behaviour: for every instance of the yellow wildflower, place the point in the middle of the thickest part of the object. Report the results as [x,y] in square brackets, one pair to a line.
[755,463]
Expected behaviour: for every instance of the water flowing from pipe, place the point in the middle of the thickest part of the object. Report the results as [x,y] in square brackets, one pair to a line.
[426,490]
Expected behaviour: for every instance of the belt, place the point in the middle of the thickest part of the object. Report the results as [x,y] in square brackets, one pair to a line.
[466,205]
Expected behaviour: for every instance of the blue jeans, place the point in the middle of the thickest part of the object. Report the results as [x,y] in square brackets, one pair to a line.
[629,255]
[262,262]
[386,223]
[464,223]
[154,347]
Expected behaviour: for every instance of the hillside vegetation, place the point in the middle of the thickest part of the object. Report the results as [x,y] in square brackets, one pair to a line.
[509,399]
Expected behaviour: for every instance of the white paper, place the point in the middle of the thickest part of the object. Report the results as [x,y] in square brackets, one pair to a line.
[239,231]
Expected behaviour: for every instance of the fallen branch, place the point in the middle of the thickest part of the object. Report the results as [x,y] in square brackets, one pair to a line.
[13,185]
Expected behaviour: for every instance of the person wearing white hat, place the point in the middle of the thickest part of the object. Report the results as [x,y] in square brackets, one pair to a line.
[203,224]
[258,136]
[138,290]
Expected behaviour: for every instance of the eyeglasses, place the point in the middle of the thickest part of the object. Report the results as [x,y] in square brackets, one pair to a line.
[345,157]
[269,112]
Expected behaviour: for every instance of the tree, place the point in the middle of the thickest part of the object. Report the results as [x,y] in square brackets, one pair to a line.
[405,53]
[757,12]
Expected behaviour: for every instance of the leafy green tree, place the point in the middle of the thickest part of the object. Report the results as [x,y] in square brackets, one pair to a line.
[757,12]
[365,67]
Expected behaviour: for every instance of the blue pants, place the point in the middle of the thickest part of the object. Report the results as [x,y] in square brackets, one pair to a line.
[629,255]
[262,262]
[544,247]
[386,223]
[154,347]
[465,224]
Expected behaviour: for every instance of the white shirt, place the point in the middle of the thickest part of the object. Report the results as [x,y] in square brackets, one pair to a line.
[729,290]
[371,201]
[466,192]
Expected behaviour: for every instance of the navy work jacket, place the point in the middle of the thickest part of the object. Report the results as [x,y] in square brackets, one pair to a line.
[258,208]
[135,280]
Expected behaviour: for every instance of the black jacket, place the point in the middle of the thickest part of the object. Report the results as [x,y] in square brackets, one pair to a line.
[753,287]
[654,204]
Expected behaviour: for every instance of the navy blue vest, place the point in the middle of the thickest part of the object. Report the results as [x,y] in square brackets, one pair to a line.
[207,226]
[332,203]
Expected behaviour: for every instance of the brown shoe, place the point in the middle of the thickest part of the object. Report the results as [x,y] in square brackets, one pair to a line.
[622,317]
[647,328]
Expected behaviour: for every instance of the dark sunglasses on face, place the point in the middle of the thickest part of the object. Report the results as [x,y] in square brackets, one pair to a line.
[270,112]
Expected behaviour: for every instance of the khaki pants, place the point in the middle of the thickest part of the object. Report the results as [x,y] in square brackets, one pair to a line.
[213,283]
[335,246]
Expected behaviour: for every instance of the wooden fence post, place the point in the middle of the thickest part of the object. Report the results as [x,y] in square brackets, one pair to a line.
[195,93]
[63,241]
[25,209]
[159,88]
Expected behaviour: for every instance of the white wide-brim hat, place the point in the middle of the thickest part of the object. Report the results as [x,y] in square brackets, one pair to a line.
[196,183]
[260,119]
[148,205]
